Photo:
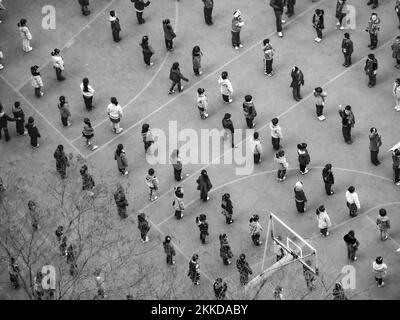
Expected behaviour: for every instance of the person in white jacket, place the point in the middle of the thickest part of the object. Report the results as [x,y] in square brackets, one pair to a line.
[324,222]
[396,93]
[256,147]
[380,271]
[25,34]
[202,103]
[115,114]
[226,87]
[58,64]
[353,203]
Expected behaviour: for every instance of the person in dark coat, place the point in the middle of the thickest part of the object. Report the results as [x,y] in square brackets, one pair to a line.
[139,7]
[309,276]
[169,250]
[290,7]
[120,201]
[297,82]
[338,292]
[249,111]
[278,6]
[71,260]
[225,251]
[33,132]
[339,14]
[87,180]
[84,7]
[352,245]
[208,8]
[4,118]
[373,28]
[244,269]
[169,34]
[147,51]
[318,24]
[122,162]
[375,141]
[115,26]
[196,60]
[203,227]
[59,233]
[14,273]
[204,185]
[194,268]
[33,215]
[176,161]
[304,157]
[19,115]
[371,69]
[348,121]
[176,76]
[328,178]
[374,3]
[396,52]
[396,166]
[347,49]
[300,197]
[220,288]
[63,246]
[227,208]
[143,226]
[61,161]
[397,9]
[227,124]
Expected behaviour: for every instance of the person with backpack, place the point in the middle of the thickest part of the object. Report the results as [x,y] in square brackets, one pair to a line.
[318,24]
[280,159]
[152,183]
[328,178]
[58,64]
[249,111]
[87,181]
[196,60]
[227,208]
[352,201]
[320,96]
[178,204]
[396,52]
[169,250]
[169,34]
[225,251]
[324,222]
[122,162]
[84,7]
[19,117]
[87,93]
[303,157]
[347,49]
[88,134]
[256,147]
[226,87]
[348,121]
[115,26]
[139,7]
[115,114]
[300,197]
[396,93]
[268,57]
[227,125]
[120,201]
[375,141]
[237,25]
[36,81]
[255,229]
[194,268]
[297,82]
[383,223]
[144,227]
[380,271]
[25,34]
[244,269]
[176,76]
[220,287]
[202,103]
[33,132]
[147,51]
[371,69]
[203,227]
[373,28]
[65,114]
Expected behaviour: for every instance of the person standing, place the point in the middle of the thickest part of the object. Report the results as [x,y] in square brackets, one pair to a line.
[87,92]
[115,114]
[324,222]
[139,7]
[25,34]
[202,103]
[244,269]
[255,229]
[227,208]
[208,8]
[34,215]
[297,82]
[375,141]
[169,34]
[88,134]
[226,87]
[122,162]
[14,273]
[373,28]
[177,164]
[59,233]
[176,76]
[340,13]
[396,166]
[169,250]
[320,96]
[280,159]
[61,161]
[352,201]
[63,106]
[276,133]
[58,64]
[328,178]
[300,197]
[84,7]
[120,201]
[147,136]
[303,157]
[338,292]
[397,9]
[203,227]
[115,26]
[1,58]
[147,51]
[256,147]
[278,6]
[178,204]
[4,119]
[144,227]
[347,49]
[225,251]
[383,224]
[318,24]
[249,111]
[152,183]
[290,7]
[87,181]
[380,271]
[19,117]
[278,250]
[374,3]
[227,124]
[204,185]
[268,57]
[348,121]
[278,295]
[309,276]
[371,69]
[396,52]
[194,268]
[36,81]
[220,288]
[237,25]
[196,60]
[396,93]
[33,132]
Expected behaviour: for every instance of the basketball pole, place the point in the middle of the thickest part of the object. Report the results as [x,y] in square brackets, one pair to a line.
[266,242]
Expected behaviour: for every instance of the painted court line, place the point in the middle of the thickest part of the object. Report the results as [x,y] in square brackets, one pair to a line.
[148,83]
[41,115]
[195,84]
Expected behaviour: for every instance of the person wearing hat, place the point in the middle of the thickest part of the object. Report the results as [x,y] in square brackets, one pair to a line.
[373,28]
[320,96]
[194,268]
[61,161]
[276,133]
[115,26]
[88,134]
[255,229]
[169,250]
[328,179]
[396,166]
[244,269]
[348,121]
[375,141]
[139,7]
[120,201]
[297,82]
[380,271]
[4,119]
[237,25]
[33,132]
[347,49]
[300,197]
[396,52]
[396,93]
[249,111]
[227,124]
[371,69]
[220,288]
[36,81]
[225,251]
[87,181]
[208,8]
[278,6]
[352,201]
[58,64]
[226,87]
[203,227]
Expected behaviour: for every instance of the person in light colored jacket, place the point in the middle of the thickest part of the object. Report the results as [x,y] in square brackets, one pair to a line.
[353,203]
[380,271]
[256,147]
[396,93]
[26,35]
[276,133]
[58,64]
[383,223]
[226,87]
[202,103]
[115,114]
[324,222]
